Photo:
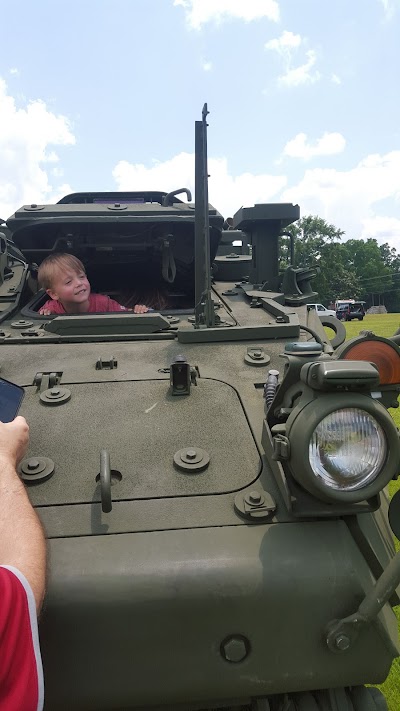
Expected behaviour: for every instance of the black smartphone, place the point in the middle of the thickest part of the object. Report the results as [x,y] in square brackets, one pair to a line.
[11,396]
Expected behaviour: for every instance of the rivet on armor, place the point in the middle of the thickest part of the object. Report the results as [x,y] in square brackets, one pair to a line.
[21,324]
[191,460]
[35,470]
[55,396]
[256,357]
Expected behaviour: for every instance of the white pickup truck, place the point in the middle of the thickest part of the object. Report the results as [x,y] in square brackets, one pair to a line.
[321,310]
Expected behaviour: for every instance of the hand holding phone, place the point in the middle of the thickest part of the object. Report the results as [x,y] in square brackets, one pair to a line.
[11,397]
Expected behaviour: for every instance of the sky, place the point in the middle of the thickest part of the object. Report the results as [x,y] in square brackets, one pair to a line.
[303,99]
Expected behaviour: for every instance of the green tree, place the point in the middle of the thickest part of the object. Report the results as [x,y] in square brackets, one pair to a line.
[391,295]
[311,234]
[365,257]
[335,279]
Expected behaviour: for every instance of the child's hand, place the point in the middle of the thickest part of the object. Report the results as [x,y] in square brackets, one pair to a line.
[44,312]
[140,309]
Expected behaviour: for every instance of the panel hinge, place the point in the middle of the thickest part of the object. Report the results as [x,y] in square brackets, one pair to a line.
[50,391]
[44,381]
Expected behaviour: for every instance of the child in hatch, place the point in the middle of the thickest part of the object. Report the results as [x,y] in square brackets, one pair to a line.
[64,278]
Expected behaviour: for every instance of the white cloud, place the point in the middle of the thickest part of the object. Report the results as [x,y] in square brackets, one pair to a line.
[301,74]
[25,137]
[199,12]
[389,7]
[350,199]
[383,229]
[328,144]
[226,192]
[207,66]
[335,79]
[286,45]
[15,71]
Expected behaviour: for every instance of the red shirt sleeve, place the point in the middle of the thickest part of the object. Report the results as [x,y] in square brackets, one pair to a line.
[21,675]
[53,306]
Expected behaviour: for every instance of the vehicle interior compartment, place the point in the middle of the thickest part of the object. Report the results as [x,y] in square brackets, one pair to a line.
[149,263]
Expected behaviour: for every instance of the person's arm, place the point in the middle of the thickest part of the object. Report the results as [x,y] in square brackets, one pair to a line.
[48,308]
[137,309]
[22,543]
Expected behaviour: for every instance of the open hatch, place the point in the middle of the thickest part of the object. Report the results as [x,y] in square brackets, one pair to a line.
[136,247]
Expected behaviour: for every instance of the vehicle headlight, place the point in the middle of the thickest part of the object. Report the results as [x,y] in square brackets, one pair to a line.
[347,449]
[342,447]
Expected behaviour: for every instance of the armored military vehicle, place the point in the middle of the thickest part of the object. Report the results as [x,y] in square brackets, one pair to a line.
[211,474]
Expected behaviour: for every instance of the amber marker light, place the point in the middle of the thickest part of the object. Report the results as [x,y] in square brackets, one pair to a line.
[385,356]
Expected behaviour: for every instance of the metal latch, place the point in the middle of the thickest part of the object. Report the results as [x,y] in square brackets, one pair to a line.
[255,504]
[30,332]
[106,364]
[182,376]
[255,303]
[281,447]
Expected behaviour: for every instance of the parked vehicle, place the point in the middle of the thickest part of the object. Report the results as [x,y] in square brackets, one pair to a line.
[321,310]
[346,312]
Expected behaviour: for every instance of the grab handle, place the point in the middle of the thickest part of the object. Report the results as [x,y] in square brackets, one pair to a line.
[105,481]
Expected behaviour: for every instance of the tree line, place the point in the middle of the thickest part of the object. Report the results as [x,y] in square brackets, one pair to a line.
[356,268]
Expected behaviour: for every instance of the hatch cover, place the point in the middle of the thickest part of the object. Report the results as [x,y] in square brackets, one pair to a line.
[142,426]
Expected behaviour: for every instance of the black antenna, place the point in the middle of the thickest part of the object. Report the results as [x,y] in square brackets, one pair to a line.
[204,305]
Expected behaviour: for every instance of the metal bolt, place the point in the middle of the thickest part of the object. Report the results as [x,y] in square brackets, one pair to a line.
[342,642]
[55,392]
[33,464]
[235,649]
[34,204]
[257,354]
[117,204]
[255,497]
[191,453]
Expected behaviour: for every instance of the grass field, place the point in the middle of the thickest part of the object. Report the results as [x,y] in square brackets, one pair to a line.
[384,325]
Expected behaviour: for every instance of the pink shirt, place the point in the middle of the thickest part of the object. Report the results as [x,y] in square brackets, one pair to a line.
[97,303]
[21,674]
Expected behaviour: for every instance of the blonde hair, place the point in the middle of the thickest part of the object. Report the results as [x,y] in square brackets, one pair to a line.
[55,262]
